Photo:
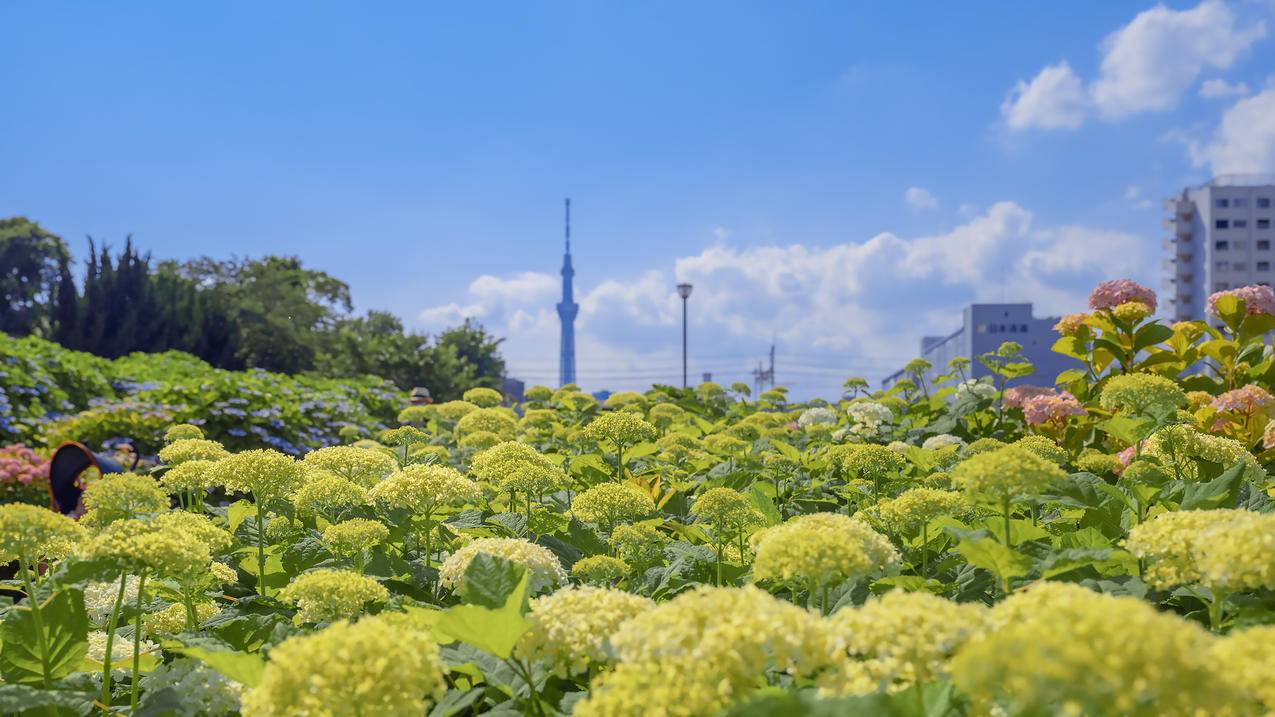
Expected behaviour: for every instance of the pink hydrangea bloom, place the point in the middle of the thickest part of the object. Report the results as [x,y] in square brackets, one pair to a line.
[1257,299]
[19,464]
[1047,408]
[1110,294]
[1247,400]
[1017,396]
[1126,456]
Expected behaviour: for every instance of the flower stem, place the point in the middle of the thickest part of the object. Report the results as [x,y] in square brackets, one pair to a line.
[137,644]
[110,645]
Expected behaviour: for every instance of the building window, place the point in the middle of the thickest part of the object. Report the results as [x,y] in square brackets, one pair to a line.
[1263,224]
[1221,224]
[1239,223]
[1221,245]
[1263,245]
[1222,266]
[1263,266]
[1240,245]
[1221,286]
[1264,202]
[1239,266]
[1221,204]
[1239,202]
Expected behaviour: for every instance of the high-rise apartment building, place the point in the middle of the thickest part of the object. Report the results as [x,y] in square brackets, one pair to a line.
[1221,236]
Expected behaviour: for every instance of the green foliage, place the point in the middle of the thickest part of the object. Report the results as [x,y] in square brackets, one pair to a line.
[44,644]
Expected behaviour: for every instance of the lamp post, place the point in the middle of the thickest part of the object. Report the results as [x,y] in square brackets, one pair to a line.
[684,291]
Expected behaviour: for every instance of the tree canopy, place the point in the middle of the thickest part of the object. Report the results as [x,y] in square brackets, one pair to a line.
[271,313]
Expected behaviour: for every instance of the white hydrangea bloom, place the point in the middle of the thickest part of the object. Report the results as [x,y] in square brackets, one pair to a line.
[99,598]
[976,389]
[933,443]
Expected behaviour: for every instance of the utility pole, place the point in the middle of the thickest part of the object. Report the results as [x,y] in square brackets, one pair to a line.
[764,376]
[684,291]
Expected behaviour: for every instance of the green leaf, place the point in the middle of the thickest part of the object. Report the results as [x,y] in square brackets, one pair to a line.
[763,503]
[243,667]
[22,699]
[1221,491]
[1127,429]
[1003,562]
[454,702]
[63,629]
[786,450]
[640,450]
[495,631]
[1150,335]
[237,511]
[489,580]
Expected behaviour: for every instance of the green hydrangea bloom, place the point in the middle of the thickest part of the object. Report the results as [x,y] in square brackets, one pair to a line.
[373,667]
[600,570]
[483,397]
[1141,394]
[327,595]
[622,428]
[611,503]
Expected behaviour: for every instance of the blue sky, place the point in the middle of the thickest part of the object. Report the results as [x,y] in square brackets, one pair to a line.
[839,177]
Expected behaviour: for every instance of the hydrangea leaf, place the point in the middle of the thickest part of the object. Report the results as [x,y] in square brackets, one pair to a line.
[495,631]
[62,628]
[245,668]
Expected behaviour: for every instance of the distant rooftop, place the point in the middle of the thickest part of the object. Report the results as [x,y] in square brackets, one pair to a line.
[1241,180]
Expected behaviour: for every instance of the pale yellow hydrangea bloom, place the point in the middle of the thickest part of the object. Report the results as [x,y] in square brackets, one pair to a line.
[185,450]
[327,494]
[360,465]
[740,633]
[376,666]
[1061,646]
[33,534]
[611,503]
[544,569]
[198,527]
[1244,659]
[425,488]
[172,619]
[822,548]
[600,569]
[1169,542]
[916,507]
[897,640]
[1238,556]
[354,536]
[571,628]
[327,595]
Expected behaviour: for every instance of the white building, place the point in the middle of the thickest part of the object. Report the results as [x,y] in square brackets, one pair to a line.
[1220,237]
[984,329]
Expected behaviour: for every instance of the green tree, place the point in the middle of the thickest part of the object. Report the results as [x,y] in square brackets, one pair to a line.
[279,307]
[30,260]
[471,342]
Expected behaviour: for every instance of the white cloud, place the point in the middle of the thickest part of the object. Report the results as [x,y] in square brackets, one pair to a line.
[858,307]
[1146,65]
[1054,99]
[920,199]
[1244,141]
[1221,89]
[1133,195]
[1149,63]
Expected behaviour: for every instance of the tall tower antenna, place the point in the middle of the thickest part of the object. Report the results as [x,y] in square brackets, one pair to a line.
[567,310]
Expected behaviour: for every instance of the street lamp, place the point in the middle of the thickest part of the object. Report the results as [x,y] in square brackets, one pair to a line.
[684,291]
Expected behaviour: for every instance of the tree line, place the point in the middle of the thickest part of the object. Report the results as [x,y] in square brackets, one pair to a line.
[271,313]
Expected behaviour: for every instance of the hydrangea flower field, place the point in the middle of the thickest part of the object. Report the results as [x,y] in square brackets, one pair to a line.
[1097,543]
